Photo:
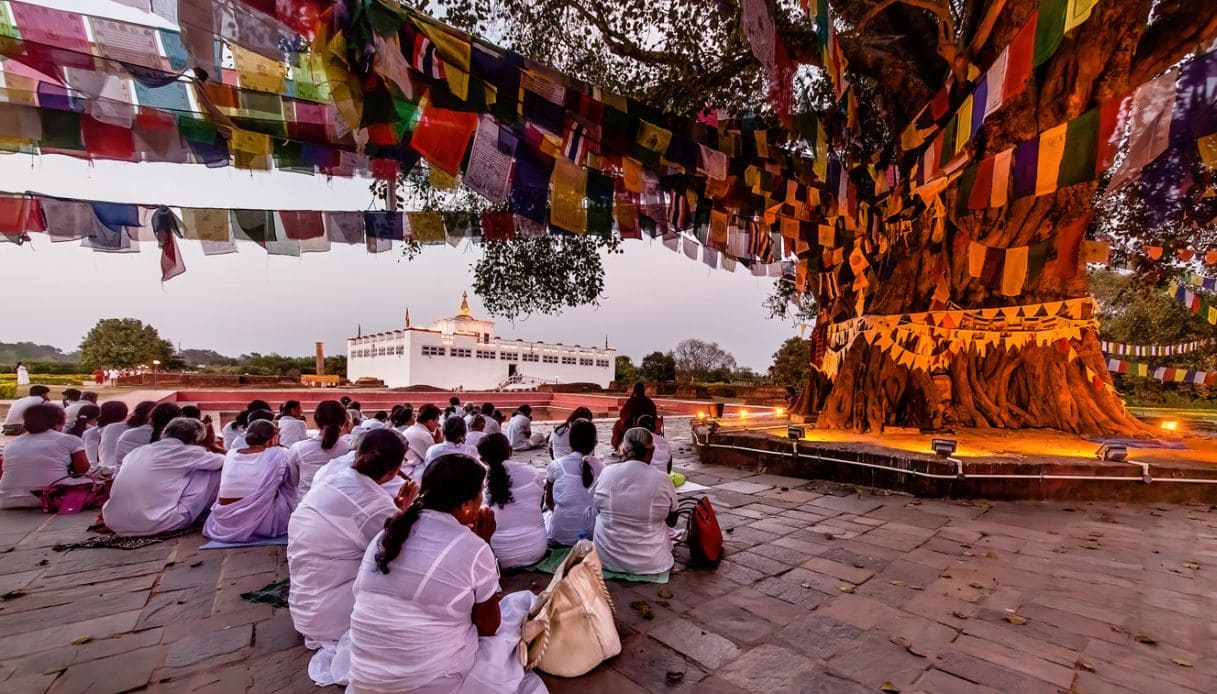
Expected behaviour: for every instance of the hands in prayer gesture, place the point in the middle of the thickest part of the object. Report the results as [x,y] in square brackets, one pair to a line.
[406,495]
[484,525]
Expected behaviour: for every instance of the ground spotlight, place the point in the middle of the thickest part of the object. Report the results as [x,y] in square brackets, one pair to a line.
[1112,452]
[1170,425]
[943,448]
[794,433]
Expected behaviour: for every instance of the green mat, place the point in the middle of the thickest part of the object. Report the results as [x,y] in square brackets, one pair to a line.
[557,555]
[274,594]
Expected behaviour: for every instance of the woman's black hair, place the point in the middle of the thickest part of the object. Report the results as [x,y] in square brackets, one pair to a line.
[259,432]
[402,415]
[139,416]
[242,419]
[83,415]
[454,429]
[288,406]
[111,411]
[192,411]
[427,413]
[44,417]
[161,415]
[647,422]
[330,415]
[449,482]
[583,440]
[578,413]
[380,452]
[494,449]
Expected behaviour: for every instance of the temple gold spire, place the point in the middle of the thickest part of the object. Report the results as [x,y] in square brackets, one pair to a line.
[464,304]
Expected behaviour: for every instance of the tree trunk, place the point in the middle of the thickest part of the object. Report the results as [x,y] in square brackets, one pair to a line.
[1008,387]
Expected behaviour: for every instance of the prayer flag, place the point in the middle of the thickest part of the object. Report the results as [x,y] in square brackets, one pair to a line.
[489,170]
[442,136]
[1050,27]
[1001,177]
[1026,165]
[1077,12]
[344,227]
[67,220]
[1014,271]
[172,264]
[107,141]
[498,226]
[1018,69]
[206,224]
[253,225]
[1108,140]
[126,43]
[1149,132]
[976,259]
[426,227]
[1081,141]
[456,52]
[995,81]
[302,224]
[568,191]
[53,38]
[384,225]
[982,186]
[258,72]
[1051,151]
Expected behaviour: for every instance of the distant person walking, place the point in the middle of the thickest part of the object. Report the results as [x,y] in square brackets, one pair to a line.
[23,375]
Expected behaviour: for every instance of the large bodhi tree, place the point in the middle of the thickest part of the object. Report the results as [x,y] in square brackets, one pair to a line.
[684,56]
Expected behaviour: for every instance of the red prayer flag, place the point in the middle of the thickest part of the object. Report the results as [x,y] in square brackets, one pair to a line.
[1109,116]
[107,141]
[53,39]
[498,226]
[14,211]
[385,169]
[302,224]
[172,264]
[982,186]
[442,136]
[1022,49]
[1068,245]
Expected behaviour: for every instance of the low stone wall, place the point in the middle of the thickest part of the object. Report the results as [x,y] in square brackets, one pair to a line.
[937,477]
[178,380]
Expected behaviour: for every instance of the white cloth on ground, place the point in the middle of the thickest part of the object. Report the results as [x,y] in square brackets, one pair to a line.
[571,519]
[663,453]
[162,486]
[632,500]
[519,538]
[31,462]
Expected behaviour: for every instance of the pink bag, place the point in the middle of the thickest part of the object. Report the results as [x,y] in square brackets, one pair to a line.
[87,493]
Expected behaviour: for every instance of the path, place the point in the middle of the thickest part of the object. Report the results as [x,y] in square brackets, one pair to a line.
[826,589]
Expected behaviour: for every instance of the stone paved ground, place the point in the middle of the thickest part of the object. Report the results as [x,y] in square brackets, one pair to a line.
[826,589]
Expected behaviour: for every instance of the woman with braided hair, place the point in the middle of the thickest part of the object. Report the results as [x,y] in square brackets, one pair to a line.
[428,616]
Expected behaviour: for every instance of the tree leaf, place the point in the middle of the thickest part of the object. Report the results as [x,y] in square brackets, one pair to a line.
[889,686]
[1182,662]
[1016,619]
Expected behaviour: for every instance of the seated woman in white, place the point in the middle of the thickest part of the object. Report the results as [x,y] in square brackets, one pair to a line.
[662,459]
[165,485]
[333,439]
[136,433]
[132,439]
[427,590]
[454,442]
[39,457]
[257,489]
[635,505]
[234,429]
[513,491]
[559,440]
[110,414]
[568,481]
[519,430]
[326,539]
[292,428]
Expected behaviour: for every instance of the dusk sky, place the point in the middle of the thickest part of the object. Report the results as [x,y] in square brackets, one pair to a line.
[252,302]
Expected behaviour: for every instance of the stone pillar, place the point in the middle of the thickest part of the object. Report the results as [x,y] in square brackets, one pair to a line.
[320,358]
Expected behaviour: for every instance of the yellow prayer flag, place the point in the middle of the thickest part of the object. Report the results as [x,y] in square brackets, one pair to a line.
[719,221]
[653,137]
[1052,148]
[258,72]
[250,142]
[456,53]
[206,224]
[426,227]
[762,144]
[631,170]
[963,127]
[440,179]
[976,259]
[1014,271]
[567,193]
[1208,151]
[1078,11]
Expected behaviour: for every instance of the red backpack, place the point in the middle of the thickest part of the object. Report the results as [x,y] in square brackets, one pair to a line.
[705,538]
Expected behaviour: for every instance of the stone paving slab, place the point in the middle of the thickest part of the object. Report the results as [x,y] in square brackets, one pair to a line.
[826,588]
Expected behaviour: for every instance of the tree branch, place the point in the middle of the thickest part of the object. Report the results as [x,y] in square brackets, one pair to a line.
[1179,26]
[985,28]
[618,43]
[947,47]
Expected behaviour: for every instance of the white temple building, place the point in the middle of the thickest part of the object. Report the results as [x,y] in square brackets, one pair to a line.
[463,352]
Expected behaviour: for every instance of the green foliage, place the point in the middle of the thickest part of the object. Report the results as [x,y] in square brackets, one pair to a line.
[8,391]
[124,343]
[624,372]
[30,353]
[699,361]
[50,379]
[657,366]
[541,275]
[791,363]
[195,358]
[256,364]
[43,367]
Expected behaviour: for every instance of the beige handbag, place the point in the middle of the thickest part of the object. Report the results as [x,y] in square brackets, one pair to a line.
[570,629]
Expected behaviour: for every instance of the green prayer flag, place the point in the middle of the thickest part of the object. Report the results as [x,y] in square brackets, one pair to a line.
[1049,29]
[254,225]
[599,203]
[61,129]
[967,179]
[1081,145]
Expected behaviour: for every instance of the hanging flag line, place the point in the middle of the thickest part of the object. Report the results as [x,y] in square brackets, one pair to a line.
[1165,374]
[1127,350]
